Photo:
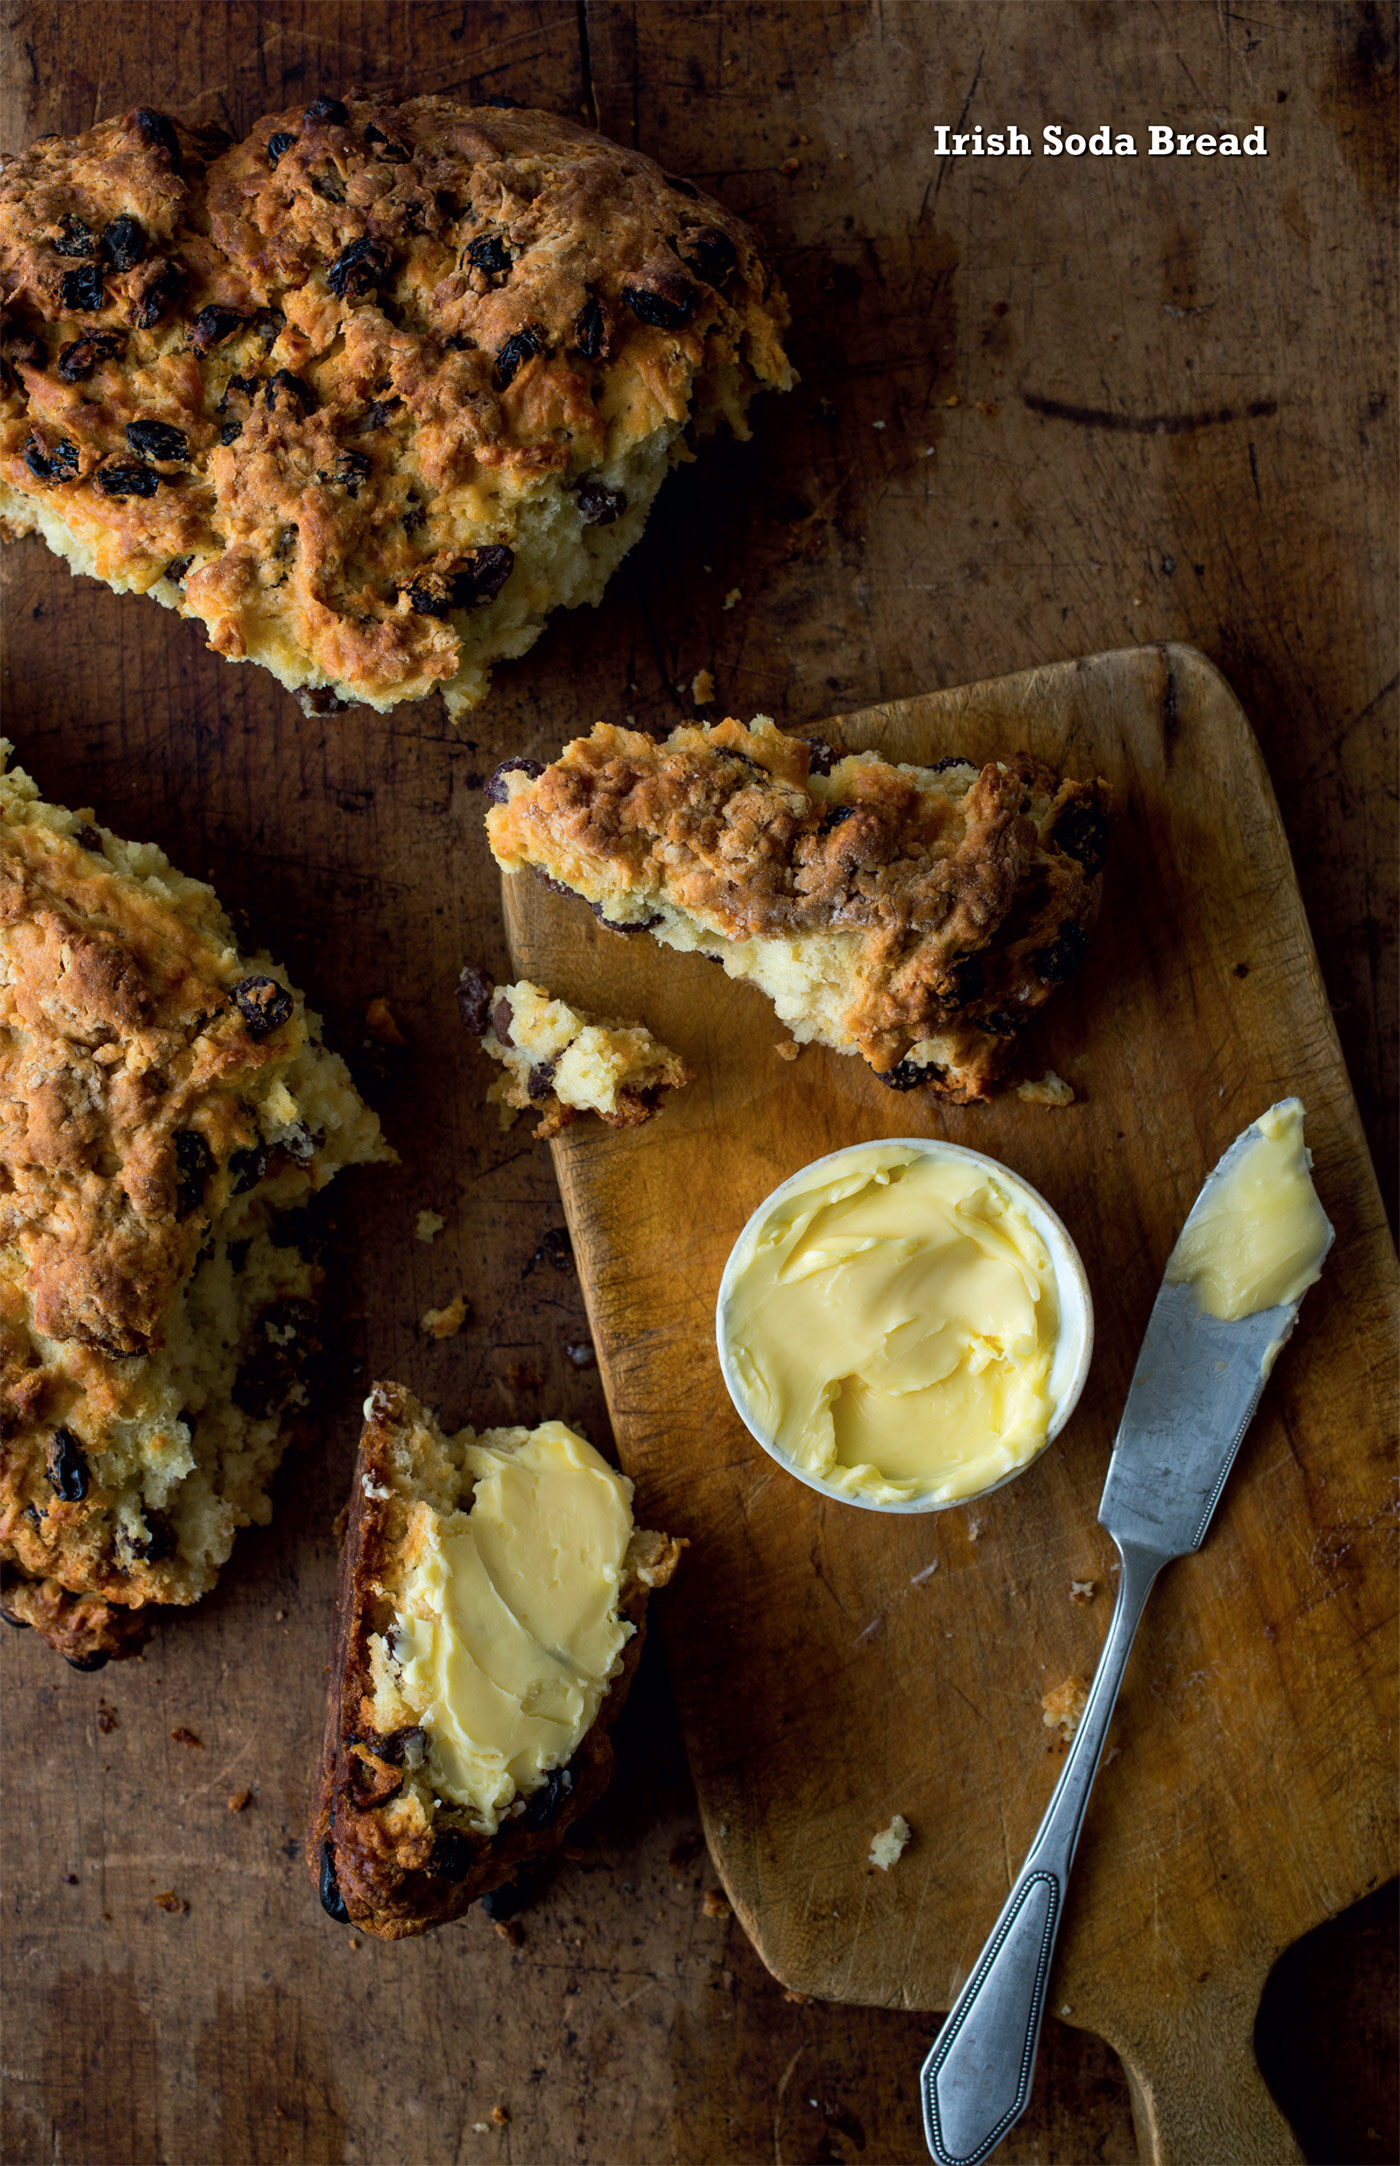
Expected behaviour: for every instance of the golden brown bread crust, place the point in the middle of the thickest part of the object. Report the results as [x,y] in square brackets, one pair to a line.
[395,1880]
[313,388]
[119,1041]
[968,896]
[137,1054]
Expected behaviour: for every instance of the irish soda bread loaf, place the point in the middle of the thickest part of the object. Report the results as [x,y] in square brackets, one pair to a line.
[489,1618]
[372,391]
[917,915]
[560,1062]
[164,1101]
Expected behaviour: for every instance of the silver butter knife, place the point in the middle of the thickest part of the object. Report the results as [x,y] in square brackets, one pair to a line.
[1193,1395]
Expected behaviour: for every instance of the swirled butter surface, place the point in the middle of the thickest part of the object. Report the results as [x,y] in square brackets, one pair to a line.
[507,1631]
[891,1320]
[1258,1235]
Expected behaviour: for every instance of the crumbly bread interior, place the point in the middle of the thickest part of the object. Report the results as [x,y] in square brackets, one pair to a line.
[371,392]
[156,1313]
[916,915]
[561,1062]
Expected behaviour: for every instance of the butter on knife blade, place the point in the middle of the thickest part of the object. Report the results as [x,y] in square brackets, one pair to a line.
[1258,1234]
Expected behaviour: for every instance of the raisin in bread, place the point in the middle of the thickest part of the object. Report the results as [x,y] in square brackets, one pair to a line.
[164,1102]
[371,392]
[489,1618]
[919,916]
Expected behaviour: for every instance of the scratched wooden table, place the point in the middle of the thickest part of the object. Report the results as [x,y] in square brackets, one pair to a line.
[1048,407]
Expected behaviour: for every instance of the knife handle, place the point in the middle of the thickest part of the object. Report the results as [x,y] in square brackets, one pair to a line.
[976,2081]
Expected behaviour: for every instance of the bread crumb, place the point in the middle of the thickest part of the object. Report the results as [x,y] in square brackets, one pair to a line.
[105,1718]
[445,1323]
[888,1847]
[240,1800]
[735,594]
[799,2000]
[500,2115]
[380,1023]
[702,687]
[953,400]
[508,1931]
[1049,1090]
[1083,1590]
[481,2128]
[1064,1705]
[182,1736]
[715,1904]
[175,1904]
[428,1225]
[791,165]
[787,1049]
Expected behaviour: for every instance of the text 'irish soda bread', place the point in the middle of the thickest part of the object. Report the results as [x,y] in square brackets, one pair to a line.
[372,391]
[560,1062]
[489,1617]
[164,1101]
[919,916]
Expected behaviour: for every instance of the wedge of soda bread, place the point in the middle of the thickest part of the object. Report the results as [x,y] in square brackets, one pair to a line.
[918,916]
[165,1104]
[371,392]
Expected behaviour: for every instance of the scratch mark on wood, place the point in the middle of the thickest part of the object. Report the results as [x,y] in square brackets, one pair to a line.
[783,2082]
[585,53]
[1099,417]
[966,108]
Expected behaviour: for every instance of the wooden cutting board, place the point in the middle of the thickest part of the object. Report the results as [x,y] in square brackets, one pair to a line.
[836,1666]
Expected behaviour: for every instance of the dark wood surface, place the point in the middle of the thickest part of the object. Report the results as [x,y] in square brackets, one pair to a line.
[1126,402]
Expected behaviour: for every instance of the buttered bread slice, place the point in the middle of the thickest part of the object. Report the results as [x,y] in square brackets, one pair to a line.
[919,916]
[490,1614]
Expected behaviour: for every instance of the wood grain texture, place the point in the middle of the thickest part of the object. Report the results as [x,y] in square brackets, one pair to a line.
[835,1666]
[247,2030]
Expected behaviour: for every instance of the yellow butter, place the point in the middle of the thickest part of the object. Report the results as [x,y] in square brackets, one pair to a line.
[1259,1236]
[892,1322]
[507,1631]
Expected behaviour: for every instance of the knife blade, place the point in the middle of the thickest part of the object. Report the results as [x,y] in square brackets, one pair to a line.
[1193,1395]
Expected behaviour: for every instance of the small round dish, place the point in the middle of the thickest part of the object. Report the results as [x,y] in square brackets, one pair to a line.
[1074,1340]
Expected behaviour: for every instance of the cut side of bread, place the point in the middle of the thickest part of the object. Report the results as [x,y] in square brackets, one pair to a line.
[489,1617]
[918,916]
[560,1062]
[373,391]
[165,1104]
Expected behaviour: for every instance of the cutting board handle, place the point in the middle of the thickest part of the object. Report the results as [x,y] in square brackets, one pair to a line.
[1196,2090]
